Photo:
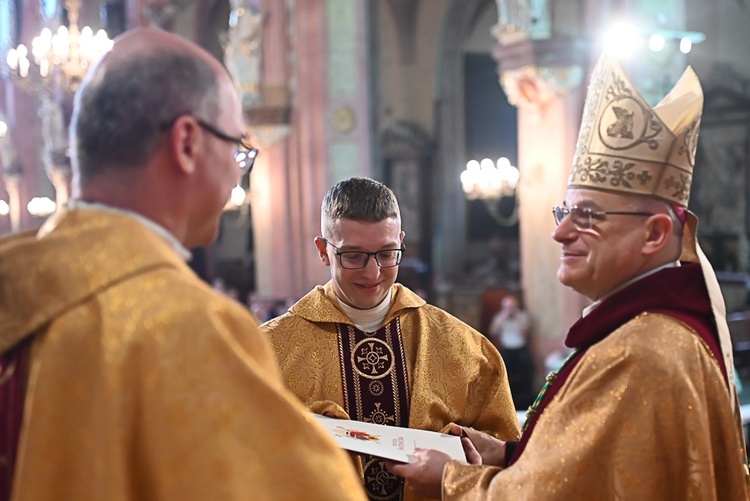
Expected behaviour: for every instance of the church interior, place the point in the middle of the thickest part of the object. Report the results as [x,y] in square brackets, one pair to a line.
[467,109]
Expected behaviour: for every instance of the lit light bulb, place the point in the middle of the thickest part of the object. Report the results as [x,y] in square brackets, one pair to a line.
[12,59]
[509,174]
[656,43]
[686,45]
[622,39]
[238,196]
[41,206]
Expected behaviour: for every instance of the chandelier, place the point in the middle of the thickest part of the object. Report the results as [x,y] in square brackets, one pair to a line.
[490,182]
[60,60]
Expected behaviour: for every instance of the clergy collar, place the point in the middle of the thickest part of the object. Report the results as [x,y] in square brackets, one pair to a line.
[368,320]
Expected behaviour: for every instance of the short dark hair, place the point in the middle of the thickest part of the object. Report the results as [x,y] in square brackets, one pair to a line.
[359,199]
[119,112]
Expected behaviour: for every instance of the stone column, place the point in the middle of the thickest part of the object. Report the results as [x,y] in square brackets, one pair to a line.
[546,137]
[289,174]
[544,79]
[315,83]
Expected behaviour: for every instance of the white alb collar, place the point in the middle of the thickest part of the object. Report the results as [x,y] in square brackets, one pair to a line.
[368,320]
[180,249]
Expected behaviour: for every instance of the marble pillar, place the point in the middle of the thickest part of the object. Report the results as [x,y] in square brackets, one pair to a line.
[315,68]
[544,79]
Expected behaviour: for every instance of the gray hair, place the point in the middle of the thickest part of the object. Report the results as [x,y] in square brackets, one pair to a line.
[649,204]
[359,199]
[656,205]
[678,229]
[121,110]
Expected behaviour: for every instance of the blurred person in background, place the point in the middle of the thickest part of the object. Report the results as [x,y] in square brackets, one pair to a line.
[509,331]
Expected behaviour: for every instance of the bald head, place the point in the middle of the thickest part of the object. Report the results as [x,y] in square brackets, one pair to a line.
[143,42]
[147,80]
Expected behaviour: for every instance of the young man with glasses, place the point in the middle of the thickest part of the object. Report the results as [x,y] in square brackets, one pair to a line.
[123,376]
[363,347]
[645,407]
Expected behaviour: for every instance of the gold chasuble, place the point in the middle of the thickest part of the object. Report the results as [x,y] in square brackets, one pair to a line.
[423,369]
[645,408]
[142,382]
[640,412]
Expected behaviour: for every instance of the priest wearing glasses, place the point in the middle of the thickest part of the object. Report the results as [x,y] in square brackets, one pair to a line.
[124,376]
[645,407]
[363,347]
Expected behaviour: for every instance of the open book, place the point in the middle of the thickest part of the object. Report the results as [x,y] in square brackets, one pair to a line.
[389,442]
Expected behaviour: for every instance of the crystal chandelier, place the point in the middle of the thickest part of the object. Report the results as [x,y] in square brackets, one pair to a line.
[57,60]
[482,180]
[490,183]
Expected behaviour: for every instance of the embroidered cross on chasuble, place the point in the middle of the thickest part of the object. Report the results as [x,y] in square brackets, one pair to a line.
[376,390]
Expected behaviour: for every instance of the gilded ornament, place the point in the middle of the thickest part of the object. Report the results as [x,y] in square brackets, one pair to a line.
[343,119]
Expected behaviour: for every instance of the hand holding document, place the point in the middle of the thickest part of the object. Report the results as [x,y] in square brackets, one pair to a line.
[389,442]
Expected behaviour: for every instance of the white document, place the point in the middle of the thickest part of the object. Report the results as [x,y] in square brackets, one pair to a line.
[389,442]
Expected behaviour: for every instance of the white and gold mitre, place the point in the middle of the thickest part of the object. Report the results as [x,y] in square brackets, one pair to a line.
[626,146]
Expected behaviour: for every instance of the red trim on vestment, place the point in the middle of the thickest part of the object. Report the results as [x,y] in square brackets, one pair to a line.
[679,292]
[12,389]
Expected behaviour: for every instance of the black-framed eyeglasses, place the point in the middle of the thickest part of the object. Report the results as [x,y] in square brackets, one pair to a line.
[356,260]
[245,154]
[583,217]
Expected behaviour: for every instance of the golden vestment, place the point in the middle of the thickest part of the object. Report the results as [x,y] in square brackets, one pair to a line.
[143,382]
[645,414]
[455,374]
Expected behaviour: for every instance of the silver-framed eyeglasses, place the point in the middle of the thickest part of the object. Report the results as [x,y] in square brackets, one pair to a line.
[245,154]
[356,260]
[583,217]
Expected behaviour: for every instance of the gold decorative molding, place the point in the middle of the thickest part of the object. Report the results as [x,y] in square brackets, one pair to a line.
[534,71]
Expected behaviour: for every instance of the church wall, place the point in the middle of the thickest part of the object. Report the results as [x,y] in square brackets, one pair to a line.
[408,52]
